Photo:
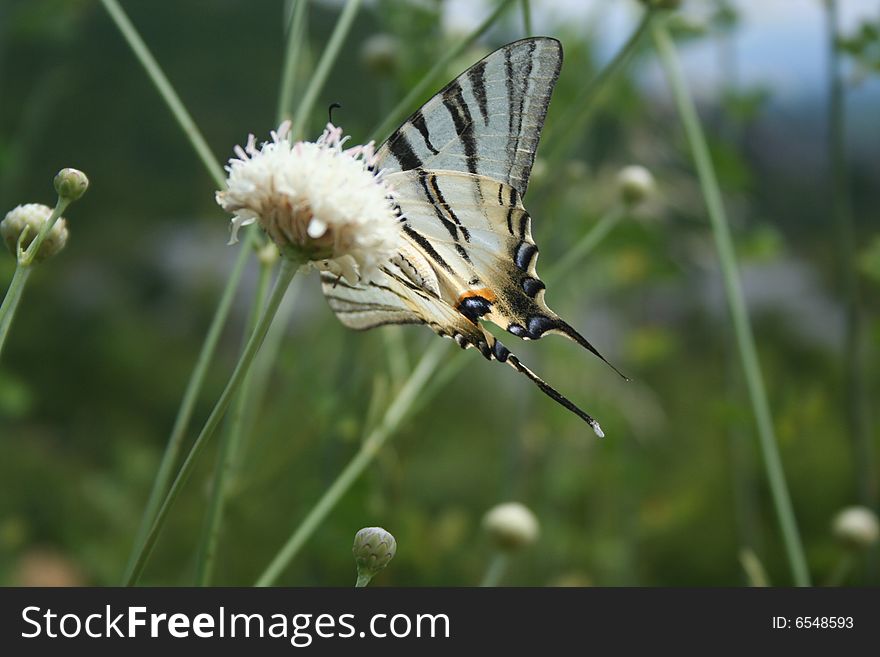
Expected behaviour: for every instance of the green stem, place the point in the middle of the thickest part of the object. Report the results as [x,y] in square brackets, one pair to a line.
[254,384]
[165,89]
[495,570]
[586,101]
[736,304]
[328,58]
[841,570]
[189,399]
[221,314]
[362,580]
[753,568]
[229,448]
[856,401]
[10,301]
[285,276]
[394,415]
[587,243]
[405,106]
[527,17]
[264,366]
[291,59]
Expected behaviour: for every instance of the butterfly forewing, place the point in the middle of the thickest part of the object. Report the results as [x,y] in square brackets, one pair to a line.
[487,121]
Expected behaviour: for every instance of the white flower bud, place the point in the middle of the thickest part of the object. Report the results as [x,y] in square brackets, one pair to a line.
[511,526]
[24,222]
[380,53]
[316,201]
[71,184]
[856,526]
[373,549]
[635,183]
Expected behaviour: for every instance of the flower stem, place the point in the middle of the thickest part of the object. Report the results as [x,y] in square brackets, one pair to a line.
[394,415]
[254,384]
[736,304]
[189,399]
[228,451]
[841,570]
[753,568]
[406,105]
[285,276]
[165,89]
[295,35]
[856,402]
[527,16]
[10,301]
[328,58]
[362,580]
[586,101]
[600,230]
[221,314]
[495,570]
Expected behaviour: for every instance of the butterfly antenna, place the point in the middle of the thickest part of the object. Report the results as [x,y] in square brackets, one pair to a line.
[569,332]
[330,109]
[553,394]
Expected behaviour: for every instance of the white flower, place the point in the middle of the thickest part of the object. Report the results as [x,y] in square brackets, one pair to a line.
[316,201]
[856,526]
[511,526]
[23,223]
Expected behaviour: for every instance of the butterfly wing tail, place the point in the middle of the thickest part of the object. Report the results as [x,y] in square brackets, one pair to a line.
[562,327]
[502,354]
[555,395]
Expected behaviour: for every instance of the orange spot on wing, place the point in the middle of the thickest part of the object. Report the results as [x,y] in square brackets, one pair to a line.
[483,292]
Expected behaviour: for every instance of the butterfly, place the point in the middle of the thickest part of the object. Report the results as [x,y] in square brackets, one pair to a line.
[459,167]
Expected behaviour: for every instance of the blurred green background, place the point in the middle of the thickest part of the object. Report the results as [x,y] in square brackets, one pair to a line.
[109,330]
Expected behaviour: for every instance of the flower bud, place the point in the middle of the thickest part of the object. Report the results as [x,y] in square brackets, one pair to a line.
[857,527]
[511,526]
[380,54]
[635,183]
[71,184]
[373,549]
[24,222]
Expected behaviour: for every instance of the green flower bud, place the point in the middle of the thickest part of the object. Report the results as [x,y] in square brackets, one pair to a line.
[635,183]
[856,527]
[380,54]
[24,222]
[511,526]
[71,184]
[373,549]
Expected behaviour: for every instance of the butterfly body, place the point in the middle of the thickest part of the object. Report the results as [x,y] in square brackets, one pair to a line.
[459,168]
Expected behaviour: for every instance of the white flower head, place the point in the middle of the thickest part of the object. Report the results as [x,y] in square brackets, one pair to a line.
[511,526]
[856,526]
[315,200]
[22,224]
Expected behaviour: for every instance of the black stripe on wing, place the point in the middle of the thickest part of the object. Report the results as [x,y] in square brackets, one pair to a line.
[487,121]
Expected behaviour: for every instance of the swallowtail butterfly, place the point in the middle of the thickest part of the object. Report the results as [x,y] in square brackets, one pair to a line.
[460,168]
